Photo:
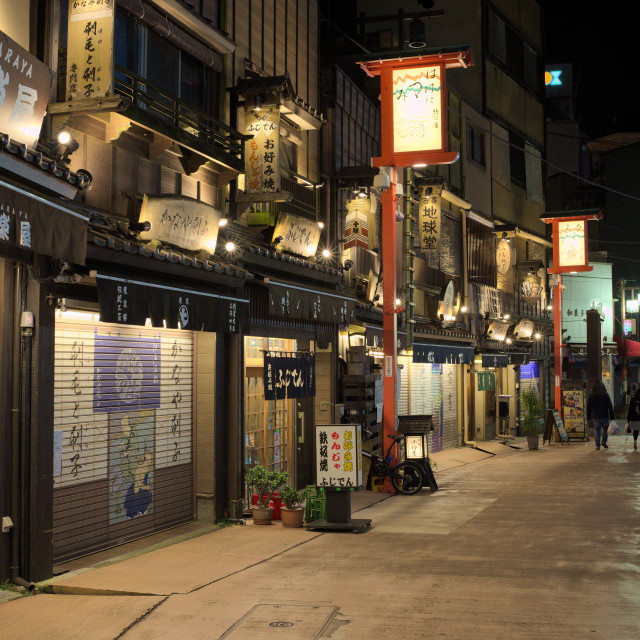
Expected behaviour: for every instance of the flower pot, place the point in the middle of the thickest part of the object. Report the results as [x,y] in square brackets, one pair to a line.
[291,517]
[262,515]
[533,441]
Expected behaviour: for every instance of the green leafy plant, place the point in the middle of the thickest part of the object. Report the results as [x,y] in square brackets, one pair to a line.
[292,498]
[532,411]
[265,483]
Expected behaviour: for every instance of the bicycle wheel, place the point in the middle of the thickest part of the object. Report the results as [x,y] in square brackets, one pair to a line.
[406,478]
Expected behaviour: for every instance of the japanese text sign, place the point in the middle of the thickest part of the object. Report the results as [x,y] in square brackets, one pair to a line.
[261,153]
[572,249]
[417,109]
[90,49]
[430,216]
[338,456]
[299,235]
[289,376]
[25,89]
[187,223]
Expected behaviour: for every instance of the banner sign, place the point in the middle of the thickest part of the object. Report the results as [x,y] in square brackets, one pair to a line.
[25,89]
[338,455]
[289,376]
[299,235]
[90,49]
[289,301]
[48,229]
[443,354]
[494,360]
[132,302]
[430,220]
[417,109]
[181,221]
[573,413]
[262,152]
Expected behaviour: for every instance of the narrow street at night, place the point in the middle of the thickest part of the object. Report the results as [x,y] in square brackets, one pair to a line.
[524,544]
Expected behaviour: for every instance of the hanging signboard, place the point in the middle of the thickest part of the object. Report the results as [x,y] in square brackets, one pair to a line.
[338,456]
[486,381]
[360,224]
[90,49]
[181,221]
[262,152]
[573,413]
[299,235]
[430,221]
[25,89]
[289,376]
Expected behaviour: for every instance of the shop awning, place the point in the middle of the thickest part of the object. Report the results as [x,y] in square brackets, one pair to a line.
[302,303]
[492,360]
[41,224]
[125,301]
[631,348]
[442,353]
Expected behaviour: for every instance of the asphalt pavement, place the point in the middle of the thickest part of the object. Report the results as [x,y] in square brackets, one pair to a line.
[515,544]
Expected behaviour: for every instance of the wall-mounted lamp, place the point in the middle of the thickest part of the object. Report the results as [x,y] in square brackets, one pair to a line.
[417,37]
[537,336]
[137,227]
[506,316]
[223,222]
[464,309]
[65,147]
[277,240]
[347,265]
[326,253]
[230,246]
[321,225]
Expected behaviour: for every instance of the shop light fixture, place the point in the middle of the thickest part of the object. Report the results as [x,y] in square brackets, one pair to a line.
[223,222]
[506,316]
[230,246]
[326,253]
[65,147]
[537,336]
[464,309]
[87,316]
[321,224]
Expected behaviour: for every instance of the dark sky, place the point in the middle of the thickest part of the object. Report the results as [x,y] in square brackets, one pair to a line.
[599,40]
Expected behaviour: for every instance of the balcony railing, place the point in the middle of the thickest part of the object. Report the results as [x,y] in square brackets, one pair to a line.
[166,108]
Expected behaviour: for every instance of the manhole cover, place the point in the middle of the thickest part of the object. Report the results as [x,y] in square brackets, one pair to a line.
[282,621]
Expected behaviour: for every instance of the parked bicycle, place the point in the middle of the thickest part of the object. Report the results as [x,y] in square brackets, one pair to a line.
[406,477]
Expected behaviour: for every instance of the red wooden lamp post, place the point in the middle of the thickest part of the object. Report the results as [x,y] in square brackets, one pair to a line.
[570,255]
[414,133]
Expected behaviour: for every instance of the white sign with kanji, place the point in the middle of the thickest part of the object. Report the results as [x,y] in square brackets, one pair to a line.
[338,456]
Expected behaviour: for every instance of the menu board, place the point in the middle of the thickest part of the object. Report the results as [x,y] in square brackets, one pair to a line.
[573,413]
[554,420]
[338,456]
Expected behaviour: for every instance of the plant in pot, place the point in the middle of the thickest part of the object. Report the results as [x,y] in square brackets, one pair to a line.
[292,513]
[532,411]
[264,483]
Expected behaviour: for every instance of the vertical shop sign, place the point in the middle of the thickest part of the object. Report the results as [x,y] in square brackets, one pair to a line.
[338,456]
[430,220]
[262,152]
[90,49]
[417,109]
[573,414]
[486,381]
[25,89]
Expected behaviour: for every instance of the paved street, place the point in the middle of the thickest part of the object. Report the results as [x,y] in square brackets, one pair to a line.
[525,544]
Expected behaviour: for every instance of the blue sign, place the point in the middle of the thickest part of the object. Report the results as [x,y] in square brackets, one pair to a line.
[530,371]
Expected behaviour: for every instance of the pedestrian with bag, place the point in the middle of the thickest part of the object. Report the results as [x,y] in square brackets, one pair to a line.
[600,410]
[633,417]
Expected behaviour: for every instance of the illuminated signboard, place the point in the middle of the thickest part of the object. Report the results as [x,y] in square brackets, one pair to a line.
[628,326]
[417,109]
[632,306]
[572,243]
[558,80]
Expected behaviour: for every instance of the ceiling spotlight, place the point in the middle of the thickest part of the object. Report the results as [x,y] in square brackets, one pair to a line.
[64,137]
[549,307]
[347,265]
[230,246]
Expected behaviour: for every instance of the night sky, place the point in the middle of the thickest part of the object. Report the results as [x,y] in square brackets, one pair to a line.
[599,40]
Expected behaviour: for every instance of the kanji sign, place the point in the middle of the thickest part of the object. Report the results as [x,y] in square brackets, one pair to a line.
[290,376]
[90,49]
[299,235]
[430,216]
[338,456]
[25,89]
[261,153]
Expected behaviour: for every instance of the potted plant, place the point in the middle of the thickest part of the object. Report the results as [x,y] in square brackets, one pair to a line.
[264,483]
[532,411]
[292,512]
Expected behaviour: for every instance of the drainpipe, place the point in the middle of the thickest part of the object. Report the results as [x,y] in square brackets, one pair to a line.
[409,254]
[16,415]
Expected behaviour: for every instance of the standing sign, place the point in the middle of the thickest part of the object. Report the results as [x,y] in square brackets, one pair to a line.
[25,89]
[573,413]
[261,153]
[554,421]
[90,49]
[338,456]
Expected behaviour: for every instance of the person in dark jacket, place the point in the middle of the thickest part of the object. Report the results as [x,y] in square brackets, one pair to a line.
[633,417]
[600,410]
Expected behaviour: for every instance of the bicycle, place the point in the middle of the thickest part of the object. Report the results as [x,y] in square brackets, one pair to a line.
[406,477]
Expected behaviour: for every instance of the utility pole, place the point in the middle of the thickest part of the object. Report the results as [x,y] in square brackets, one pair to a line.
[623,315]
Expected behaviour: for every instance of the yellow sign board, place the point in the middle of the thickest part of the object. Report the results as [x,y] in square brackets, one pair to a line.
[90,49]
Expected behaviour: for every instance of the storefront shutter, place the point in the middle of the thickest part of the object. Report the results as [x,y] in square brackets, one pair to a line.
[450,405]
[123,461]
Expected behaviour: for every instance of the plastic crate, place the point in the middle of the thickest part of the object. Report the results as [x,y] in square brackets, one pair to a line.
[316,506]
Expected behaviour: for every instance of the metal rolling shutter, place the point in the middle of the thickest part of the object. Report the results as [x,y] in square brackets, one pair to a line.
[403,381]
[435,393]
[123,462]
[450,405]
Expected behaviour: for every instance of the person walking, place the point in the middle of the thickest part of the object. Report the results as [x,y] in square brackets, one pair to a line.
[633,417]
[600,410]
